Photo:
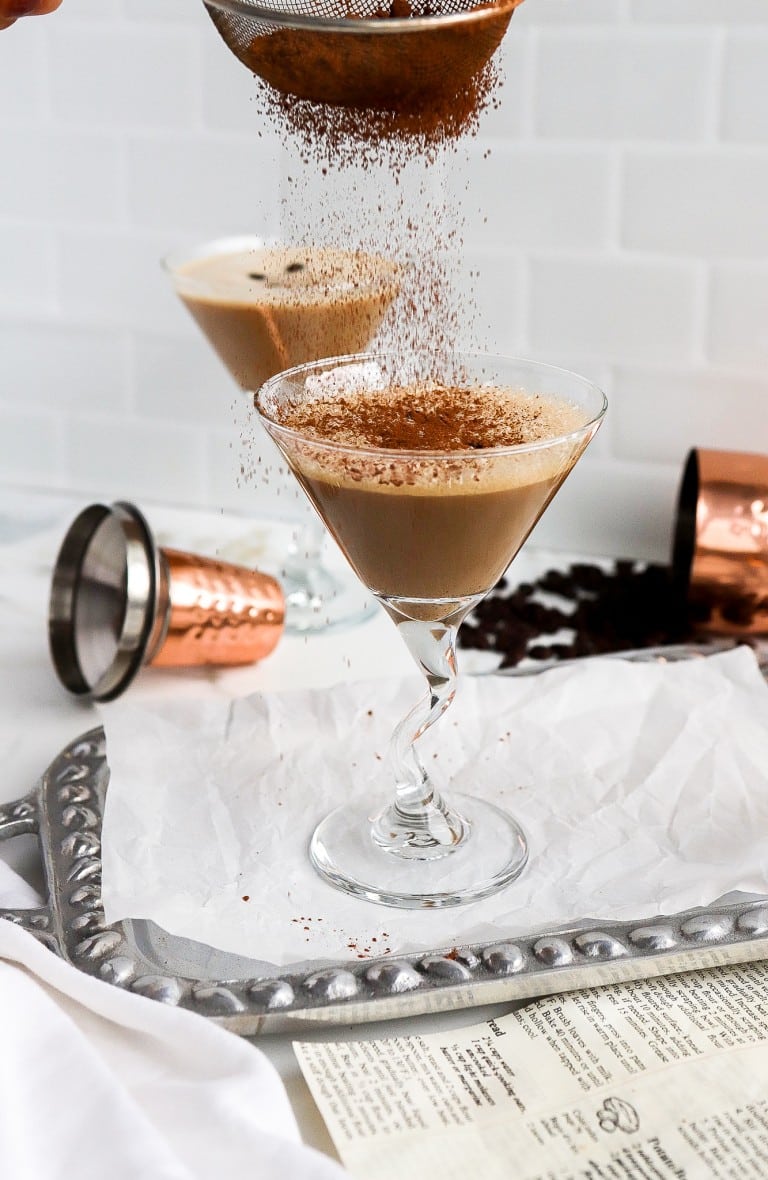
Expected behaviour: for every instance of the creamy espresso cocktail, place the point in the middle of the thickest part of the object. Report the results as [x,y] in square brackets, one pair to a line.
[430,470]
[431,526]
[266,309]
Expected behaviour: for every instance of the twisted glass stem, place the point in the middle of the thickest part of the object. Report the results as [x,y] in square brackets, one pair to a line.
[418,825]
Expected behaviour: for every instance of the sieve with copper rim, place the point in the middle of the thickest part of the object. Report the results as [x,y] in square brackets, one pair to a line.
[353,53]
[720,554]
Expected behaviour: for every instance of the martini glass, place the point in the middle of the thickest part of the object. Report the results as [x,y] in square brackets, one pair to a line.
[263,307]
[429,532]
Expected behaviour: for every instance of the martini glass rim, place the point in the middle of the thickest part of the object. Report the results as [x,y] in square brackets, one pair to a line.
[391,453]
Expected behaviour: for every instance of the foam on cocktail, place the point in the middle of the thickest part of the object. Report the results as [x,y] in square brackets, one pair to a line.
[430,490]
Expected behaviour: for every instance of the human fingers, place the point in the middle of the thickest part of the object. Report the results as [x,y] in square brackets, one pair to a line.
[11,10]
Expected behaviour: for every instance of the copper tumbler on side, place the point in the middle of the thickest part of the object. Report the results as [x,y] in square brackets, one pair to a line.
[119,602]
[720,554]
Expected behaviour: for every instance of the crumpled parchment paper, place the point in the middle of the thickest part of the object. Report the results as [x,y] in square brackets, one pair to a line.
[642,787]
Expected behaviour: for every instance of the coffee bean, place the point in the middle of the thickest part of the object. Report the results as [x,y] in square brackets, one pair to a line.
[626,606]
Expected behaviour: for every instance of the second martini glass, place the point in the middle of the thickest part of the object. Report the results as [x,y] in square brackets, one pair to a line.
[264,307]
[430,472]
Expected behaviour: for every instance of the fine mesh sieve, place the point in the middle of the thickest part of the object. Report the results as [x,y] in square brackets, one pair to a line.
[350,53]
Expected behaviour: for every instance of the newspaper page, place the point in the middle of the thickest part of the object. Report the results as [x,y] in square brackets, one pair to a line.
[659,1079]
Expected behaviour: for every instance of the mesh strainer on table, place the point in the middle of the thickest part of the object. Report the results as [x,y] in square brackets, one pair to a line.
[350,53]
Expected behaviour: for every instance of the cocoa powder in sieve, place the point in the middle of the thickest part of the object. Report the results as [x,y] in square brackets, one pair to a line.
[351,92]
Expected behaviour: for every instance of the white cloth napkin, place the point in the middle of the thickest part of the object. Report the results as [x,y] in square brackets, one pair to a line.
[96,1082]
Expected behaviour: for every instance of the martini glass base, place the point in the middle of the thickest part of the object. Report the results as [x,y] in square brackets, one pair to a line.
[320,600]
[492,853]
[318,597]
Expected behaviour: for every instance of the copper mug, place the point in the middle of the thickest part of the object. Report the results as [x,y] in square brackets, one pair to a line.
[119,602]
[720,553]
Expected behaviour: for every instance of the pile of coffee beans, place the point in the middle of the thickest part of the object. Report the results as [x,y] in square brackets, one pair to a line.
[622,607]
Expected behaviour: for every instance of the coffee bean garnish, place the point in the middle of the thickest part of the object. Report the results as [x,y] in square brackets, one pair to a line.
[294,267]
[256,276]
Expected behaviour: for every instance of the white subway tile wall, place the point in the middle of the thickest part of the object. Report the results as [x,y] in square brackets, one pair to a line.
[614,219]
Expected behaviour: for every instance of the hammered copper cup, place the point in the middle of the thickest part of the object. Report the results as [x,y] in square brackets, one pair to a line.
[720,554]
[119,602]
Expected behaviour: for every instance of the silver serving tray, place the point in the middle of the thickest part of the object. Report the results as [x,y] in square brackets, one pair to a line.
[65,810]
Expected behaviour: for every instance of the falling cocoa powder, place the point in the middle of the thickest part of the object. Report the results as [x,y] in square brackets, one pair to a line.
[371,120]
[341,136]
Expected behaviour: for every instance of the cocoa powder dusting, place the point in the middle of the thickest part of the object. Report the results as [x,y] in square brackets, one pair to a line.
[410,418]
[371,122]
[367,177]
